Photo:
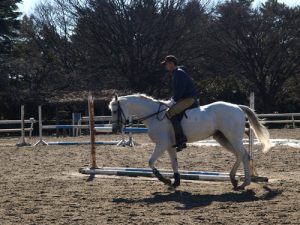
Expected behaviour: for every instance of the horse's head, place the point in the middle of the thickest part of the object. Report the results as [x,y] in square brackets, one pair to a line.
[118,115]
[138,105]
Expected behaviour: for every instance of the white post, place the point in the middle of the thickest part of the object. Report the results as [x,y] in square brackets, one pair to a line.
[32,121]
[294,125]
[251,137]
[73,123]
[79,129]
[40,141]
[130,141]
[22,141]
[22,125]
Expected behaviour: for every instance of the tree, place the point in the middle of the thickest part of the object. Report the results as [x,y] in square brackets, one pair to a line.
[47,55]
[128,39]
[262,44]
[9,25]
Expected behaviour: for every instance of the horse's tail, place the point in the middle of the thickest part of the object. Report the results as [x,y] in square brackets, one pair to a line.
[259,129]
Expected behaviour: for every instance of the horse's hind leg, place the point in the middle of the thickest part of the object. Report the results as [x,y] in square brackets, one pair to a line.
[246,163]
[223,141]
[244,156]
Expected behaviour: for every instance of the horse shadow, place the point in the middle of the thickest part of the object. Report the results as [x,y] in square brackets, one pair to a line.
[188,200]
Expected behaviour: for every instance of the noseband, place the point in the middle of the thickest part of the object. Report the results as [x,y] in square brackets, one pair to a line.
[120,116]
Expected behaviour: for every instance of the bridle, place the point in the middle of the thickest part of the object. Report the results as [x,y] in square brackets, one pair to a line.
[121,118]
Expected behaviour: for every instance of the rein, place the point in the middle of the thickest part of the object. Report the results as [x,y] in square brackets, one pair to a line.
[154,114]
[121,115]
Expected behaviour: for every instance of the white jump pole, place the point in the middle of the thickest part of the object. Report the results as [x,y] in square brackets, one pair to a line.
[40,141]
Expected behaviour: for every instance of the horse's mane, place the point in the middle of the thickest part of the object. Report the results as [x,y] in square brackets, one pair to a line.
[144,96]
[151,98]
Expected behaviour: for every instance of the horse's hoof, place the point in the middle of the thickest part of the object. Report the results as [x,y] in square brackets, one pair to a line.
[171,188]
[175,185]
[168,182]
[234,183]
[239,188]
[176,180]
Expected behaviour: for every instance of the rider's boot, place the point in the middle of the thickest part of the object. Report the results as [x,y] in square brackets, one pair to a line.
[179,135]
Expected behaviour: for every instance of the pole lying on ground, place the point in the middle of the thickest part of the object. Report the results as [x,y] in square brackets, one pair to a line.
[82,142]
[142,172]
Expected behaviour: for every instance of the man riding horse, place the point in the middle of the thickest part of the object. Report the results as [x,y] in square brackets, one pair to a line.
[184,96]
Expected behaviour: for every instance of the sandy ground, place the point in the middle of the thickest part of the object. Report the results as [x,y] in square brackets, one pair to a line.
[41,185]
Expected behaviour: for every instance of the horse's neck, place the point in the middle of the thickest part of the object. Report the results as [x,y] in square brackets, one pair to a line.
[142,108]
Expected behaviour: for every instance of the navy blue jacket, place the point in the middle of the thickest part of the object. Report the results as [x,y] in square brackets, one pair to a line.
[183,86]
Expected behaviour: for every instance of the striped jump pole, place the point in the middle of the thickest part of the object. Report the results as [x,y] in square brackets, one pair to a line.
[143,172]
[92,130]
[82,143]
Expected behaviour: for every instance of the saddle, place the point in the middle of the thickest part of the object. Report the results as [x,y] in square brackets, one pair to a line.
[183,113]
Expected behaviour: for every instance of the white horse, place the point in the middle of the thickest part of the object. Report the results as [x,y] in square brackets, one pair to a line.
[224,121]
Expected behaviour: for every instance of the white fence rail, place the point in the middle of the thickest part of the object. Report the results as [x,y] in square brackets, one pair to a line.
[291,118]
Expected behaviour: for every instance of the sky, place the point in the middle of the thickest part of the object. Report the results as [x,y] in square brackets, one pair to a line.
[28,5]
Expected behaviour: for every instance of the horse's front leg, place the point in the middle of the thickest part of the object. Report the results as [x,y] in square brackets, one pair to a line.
[158,151]
[174,162]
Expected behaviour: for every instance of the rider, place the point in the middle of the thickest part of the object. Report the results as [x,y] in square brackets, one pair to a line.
[184,95]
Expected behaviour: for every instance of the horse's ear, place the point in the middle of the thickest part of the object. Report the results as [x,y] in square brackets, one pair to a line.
[116,97]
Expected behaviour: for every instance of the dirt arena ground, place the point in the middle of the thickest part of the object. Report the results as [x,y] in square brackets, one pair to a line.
[41,185]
